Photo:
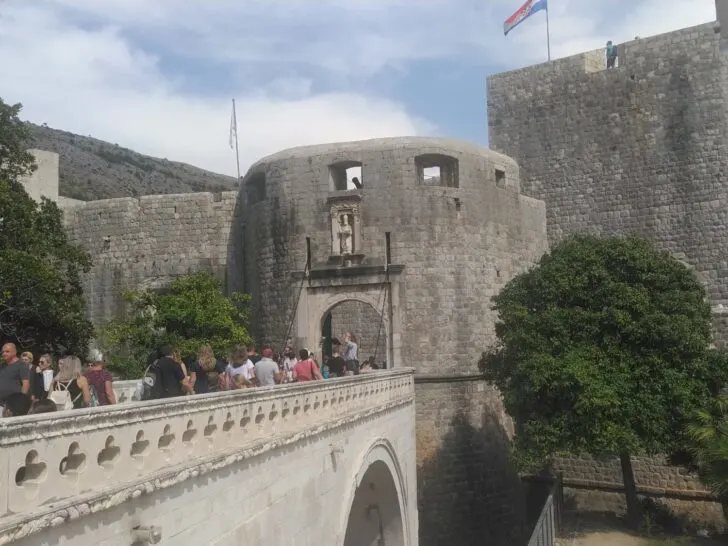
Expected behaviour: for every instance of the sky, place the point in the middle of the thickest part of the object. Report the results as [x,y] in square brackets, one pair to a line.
[158,76]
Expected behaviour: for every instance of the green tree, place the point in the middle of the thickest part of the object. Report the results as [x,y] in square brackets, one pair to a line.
[191,312]
[41,298]
[709,433]
[15,160]
[602,350]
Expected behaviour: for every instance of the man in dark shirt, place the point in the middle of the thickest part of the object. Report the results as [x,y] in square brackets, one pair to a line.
[204,381]
[13,373]
[337,366]
[253,355]
[170,373]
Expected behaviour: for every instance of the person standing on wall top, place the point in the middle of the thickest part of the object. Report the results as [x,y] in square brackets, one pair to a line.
[611,54]
[14,373]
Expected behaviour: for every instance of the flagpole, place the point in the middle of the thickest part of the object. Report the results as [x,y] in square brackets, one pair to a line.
[237,153]
[548,35]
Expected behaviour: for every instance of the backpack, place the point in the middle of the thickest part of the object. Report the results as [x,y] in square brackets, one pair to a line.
[61,397]
[152,382]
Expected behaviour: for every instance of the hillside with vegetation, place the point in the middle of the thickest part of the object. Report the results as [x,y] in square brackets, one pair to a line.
[94,169]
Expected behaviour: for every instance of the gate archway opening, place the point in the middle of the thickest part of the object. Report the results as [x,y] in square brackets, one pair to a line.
[362,320]
[375,518]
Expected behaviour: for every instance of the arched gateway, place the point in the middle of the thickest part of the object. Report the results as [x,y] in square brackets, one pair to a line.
[376,513]
[368,306]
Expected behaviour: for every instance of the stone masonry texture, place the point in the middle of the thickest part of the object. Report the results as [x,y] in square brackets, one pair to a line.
[365,323]
[637,149]
[147,242]
[457,246]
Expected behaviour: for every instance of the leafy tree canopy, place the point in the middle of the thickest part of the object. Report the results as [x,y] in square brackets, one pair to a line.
[15,160]
[602,349]
[191,312]
[709,432]
[41,298]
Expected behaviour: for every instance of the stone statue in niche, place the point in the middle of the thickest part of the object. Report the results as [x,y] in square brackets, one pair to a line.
[346,235]
[345,228]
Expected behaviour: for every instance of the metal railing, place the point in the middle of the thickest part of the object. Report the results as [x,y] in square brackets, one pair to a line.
[549,521]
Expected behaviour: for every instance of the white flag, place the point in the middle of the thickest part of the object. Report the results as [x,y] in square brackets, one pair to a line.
[233,127]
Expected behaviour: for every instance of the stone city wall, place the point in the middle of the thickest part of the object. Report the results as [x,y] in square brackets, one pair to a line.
[637,149]
[469,491]
[458,245]
[455,241]
[149,241]
[597,485]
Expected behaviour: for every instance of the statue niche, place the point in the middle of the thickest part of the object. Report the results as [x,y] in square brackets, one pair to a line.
[346,234]
[345,229]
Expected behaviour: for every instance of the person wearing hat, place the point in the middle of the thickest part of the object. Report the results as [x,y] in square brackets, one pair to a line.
[266,369]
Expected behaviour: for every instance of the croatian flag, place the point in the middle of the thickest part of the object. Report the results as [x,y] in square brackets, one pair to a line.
[525,11]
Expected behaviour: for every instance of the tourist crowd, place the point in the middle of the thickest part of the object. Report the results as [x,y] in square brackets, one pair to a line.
[27,387]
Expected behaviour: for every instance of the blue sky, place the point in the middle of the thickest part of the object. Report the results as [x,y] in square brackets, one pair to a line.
[157,76]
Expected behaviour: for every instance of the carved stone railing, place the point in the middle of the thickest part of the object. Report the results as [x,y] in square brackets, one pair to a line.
[125,390]
[60,466]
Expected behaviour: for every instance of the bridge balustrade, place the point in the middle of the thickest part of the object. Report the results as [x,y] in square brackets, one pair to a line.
[64,465]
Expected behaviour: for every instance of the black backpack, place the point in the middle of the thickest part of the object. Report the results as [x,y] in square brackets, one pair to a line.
[152,382]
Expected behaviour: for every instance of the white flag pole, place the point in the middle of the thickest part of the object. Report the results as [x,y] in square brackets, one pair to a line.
[548,34]
[234,132]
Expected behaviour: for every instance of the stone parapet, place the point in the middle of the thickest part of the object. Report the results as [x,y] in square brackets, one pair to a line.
[126,391]
[67,465]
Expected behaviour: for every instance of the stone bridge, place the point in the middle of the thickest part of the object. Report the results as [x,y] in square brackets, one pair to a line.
[324,463]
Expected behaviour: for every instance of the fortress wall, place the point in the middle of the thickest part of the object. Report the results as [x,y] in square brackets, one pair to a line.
[147,242]
[458,246]
[637,149]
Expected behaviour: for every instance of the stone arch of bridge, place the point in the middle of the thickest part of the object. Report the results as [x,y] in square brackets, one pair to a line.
[377,502]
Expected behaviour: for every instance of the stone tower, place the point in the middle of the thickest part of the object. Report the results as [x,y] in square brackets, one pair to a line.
[642,148]
[411,258]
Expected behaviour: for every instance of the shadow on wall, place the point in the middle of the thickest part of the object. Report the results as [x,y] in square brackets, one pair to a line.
[468,491]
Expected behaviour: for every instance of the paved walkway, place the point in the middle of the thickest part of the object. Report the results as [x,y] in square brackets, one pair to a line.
[605,532]
[617,538]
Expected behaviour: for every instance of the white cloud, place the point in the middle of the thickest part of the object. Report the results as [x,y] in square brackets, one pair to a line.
[95,82]
[101,67]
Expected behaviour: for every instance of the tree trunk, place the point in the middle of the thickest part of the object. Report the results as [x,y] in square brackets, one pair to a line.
[634,510]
